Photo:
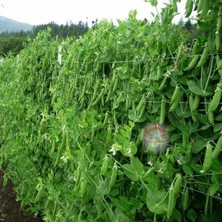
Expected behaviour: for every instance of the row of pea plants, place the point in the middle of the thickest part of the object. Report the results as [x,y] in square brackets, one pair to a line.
[72,132]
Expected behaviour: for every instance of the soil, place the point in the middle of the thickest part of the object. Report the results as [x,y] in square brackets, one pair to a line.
[9,207]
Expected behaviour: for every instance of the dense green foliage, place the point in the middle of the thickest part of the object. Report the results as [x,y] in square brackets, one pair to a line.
[71,133]
[14,42]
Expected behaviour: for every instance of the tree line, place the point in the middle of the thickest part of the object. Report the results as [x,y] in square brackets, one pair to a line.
[14,42]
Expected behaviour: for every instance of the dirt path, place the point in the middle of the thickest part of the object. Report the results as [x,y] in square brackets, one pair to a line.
[9,208]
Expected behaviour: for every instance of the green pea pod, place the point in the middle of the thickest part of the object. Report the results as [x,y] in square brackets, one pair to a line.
[106,119]
[194,117]
[208,158]
[171,202]
[38,196]
[99,97]
[53,147]
[176,93]
[141,103]
[115,83]
[193,63]
[185,199]
[95,91]
[218,148]
[205,7]
[191,101]
[196,103]
[189,8]
[177,184]
[200,5]
[211,117]
[113,176]
[215,101]
[218,40]
[83,186]
[175,104]
[104,166]
[83,90]
[162,112]
[219,22]
[195,48]
[163,83]
[203,57]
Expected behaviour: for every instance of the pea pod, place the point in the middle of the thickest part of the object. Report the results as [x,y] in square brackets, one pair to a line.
[162,112]
[83,186]
[218,148]
[53,147]
[176,102]
[208,158]
[189,8]
[219,22]
[215,101]
[185,200]
[83,89]
[104,166]
[177,184]
[99,97]
[171,202]
[38,196]
[200,5]
[163,83]
[205,7]
[95,91]
[116,80]
[211,117]
[176,93]
[195,48]
[113,176]
[203,57]
[218,40]
[141,103]
[193,63]
[194,117]
[196,103]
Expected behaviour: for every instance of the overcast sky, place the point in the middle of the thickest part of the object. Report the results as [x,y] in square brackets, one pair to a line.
[37,12]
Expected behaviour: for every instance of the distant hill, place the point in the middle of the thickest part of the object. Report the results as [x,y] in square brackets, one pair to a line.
[11,25]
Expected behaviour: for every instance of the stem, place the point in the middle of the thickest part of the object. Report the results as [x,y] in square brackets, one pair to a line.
[206,204]
[207,200]
[154,218]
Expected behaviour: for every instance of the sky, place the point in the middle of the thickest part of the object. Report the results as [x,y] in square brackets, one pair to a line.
[36,12]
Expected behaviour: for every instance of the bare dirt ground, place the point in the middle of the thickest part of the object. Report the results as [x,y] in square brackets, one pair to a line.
[9,208]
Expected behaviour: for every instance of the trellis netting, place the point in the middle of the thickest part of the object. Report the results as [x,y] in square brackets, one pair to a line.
[72,134]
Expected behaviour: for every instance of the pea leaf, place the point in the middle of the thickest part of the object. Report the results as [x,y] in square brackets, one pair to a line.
[134,170]
[213,189]
[194,88]
[156,201]
[152,2]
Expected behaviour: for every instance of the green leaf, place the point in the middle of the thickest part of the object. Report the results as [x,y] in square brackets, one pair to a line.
[191,214]
[213,189]
[194,88]
[129,172]
[137,165]
[152,2]
[134,170]
[156,200]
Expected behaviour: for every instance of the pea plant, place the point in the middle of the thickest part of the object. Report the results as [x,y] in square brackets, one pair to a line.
[72,131]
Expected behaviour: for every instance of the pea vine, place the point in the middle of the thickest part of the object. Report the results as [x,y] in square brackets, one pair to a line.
[72,131]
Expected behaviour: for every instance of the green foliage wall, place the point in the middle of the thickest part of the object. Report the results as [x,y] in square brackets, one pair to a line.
[71,133]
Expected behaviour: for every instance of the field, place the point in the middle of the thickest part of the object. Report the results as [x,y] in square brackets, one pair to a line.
[126,120]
